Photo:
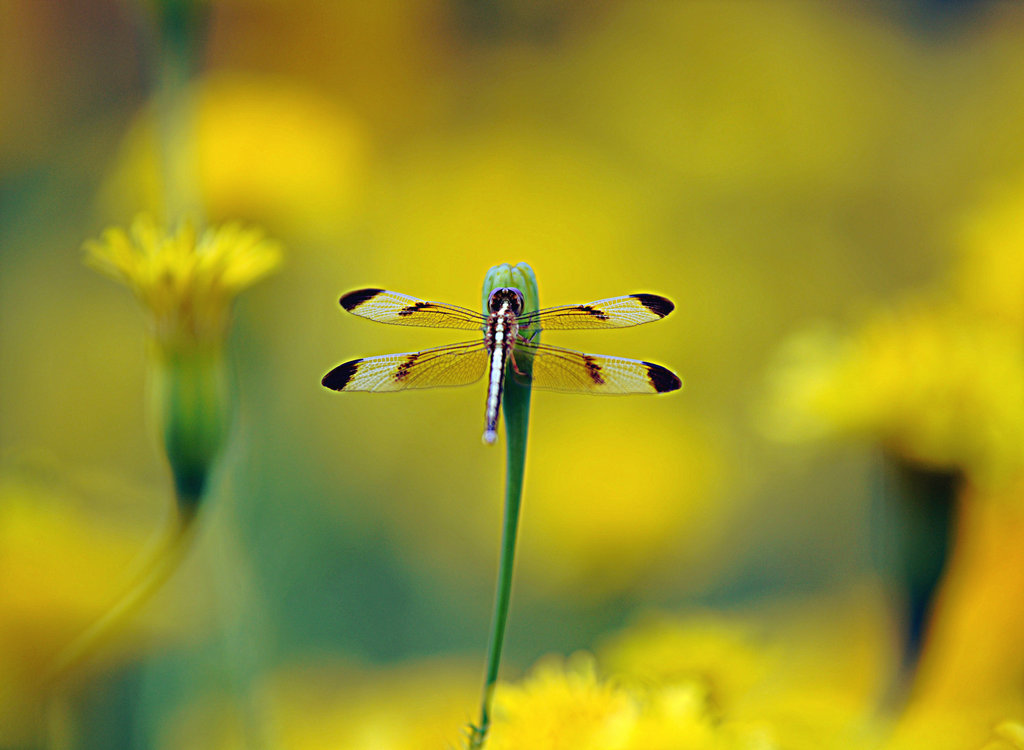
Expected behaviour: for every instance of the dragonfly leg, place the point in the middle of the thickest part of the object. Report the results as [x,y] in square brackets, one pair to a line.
[512,356]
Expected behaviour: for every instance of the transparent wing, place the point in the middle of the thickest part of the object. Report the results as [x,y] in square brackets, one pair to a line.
[401,309]
[456,364]
[615,312]
[557,369]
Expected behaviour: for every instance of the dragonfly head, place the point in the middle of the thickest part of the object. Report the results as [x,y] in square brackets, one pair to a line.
[506,294]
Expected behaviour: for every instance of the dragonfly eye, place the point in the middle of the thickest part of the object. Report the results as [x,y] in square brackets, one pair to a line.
[494,301]
[511,295]
[516,301]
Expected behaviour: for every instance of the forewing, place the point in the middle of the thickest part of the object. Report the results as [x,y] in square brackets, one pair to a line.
[456,364]
[401,309]
[614,312]
[557,369]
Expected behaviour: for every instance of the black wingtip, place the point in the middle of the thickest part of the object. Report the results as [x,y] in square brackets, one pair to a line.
[657,304]
[352,300]
[338,378]
[663,379]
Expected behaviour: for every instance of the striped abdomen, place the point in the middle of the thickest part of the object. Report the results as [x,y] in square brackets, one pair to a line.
[501,335]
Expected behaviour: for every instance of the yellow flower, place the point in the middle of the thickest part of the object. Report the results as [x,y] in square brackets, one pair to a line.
[563,706]
[62,563]
[936,386]
[806,677]
[725,655]
[306,180]
[678,717]
[186,280]
[939,380]
[569,706]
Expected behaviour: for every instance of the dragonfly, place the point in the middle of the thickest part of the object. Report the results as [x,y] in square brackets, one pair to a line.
[507,337]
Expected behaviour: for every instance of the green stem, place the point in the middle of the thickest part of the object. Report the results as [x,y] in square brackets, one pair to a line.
[155,570]
[178,30]
[190,398]
[516,410]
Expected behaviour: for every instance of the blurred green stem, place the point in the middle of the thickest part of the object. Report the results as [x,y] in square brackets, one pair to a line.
[242,624]
[155,569]
[179,29]
[516,411]
[190,401]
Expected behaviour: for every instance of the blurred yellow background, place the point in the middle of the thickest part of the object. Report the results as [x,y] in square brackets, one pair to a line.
[766,165]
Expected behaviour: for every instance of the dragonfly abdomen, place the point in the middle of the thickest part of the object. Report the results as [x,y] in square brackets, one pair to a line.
[501,334]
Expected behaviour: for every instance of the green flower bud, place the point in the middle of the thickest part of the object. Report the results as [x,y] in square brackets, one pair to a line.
[191,403]
[519,276]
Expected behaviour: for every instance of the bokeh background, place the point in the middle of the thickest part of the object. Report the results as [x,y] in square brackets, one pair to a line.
[783,171]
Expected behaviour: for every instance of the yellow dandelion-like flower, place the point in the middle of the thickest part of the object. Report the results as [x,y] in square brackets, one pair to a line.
[185,279]
[936,386]
[567,705]
[563,706]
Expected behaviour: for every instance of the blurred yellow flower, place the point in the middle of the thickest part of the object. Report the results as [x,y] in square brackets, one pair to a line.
[186,280]
[727,655]
[60,566]
[939,379]
[931,383]
[679,717]
[1007,736]
[811,672]
[268,150]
